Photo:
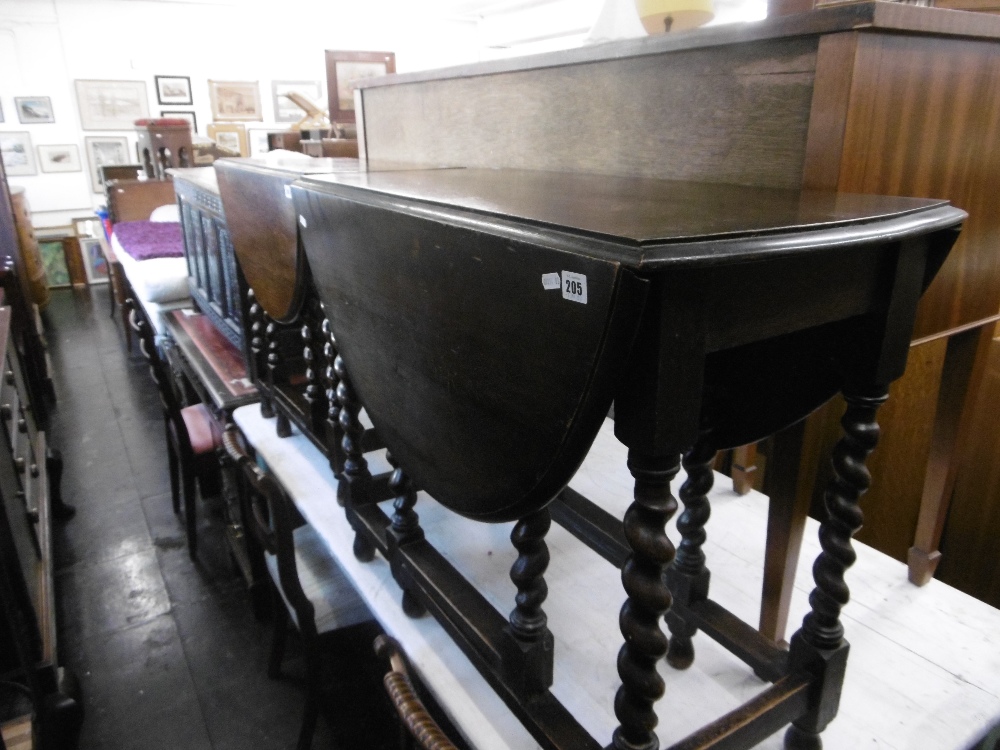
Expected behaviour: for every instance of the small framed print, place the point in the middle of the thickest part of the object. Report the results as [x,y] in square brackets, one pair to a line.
[181,115]
[94,262]
[230,136]
[235,100]
[105,151]
[285,110]
[173,90]
[18,154]
[345,70]
[33,110]
[257,140]
[111,105]
[65,158]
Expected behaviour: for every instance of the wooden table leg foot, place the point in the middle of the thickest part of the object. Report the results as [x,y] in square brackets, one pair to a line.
[800,739]
[921,565]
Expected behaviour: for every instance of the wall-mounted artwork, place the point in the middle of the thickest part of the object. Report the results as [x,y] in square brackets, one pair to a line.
[235,100]
[181,115]
[287,111]
[111,105]
[257,140]
[105,151]
[64,158]
[173,90]
[32,110]
[18,155]
[230,136]
[345,70]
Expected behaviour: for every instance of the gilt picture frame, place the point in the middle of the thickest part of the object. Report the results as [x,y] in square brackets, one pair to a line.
[235,101]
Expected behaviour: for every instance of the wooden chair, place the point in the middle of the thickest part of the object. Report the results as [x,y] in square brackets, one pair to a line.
[416,719]
[310,590]
[193,433]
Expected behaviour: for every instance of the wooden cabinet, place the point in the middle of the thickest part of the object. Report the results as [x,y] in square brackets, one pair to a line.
[28,649]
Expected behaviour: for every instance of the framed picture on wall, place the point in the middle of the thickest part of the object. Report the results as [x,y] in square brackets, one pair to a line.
[105,151]
[345,70]
[181,115]
[231,136]
[18,154]
[32,110]
[287,111]
[111,105]
[173,89]
[257,140]
[64,158]
[235,100]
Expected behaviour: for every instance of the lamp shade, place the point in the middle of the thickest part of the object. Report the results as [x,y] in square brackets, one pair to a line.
[659,16]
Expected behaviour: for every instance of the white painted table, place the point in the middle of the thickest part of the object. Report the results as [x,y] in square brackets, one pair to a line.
[924,668]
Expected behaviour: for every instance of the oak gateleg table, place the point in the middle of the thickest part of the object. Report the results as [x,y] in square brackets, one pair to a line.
[487,319]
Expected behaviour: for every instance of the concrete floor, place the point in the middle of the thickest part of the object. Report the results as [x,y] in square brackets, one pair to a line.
[167,651]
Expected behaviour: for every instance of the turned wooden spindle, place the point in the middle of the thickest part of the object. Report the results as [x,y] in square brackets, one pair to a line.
[404,527]
[356,475]
[258,348]
[314,392]
[648,599]
[687,575]
[334,433]
[283,428]
[819,645]
[528,620]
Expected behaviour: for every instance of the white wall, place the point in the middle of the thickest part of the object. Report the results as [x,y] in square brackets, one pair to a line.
[46,44]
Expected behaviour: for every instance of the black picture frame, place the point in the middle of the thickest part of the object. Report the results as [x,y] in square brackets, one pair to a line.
[173,90]
[183,115]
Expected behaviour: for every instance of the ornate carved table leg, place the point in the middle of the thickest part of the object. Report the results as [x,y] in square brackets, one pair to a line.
[258,348]
[687,575]
[648,599]
[528,648]
[354,485]
[819,646]
[404,528]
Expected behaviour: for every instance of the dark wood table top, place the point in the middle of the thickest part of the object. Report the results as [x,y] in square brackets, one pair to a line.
[488,318]
[214,366]
[649,221]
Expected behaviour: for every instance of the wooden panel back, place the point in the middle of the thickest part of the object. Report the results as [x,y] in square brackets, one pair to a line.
[735,114]
[922,119]
[134,200]
[969,561]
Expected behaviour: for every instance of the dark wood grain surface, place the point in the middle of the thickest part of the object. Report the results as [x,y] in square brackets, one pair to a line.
[692,219]
[486,385]
[214,360]
[134,200]
[262,225]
